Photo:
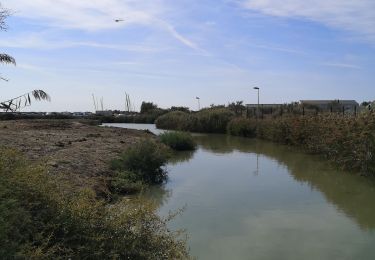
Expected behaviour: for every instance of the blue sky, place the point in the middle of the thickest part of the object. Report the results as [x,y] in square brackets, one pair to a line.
[170,51]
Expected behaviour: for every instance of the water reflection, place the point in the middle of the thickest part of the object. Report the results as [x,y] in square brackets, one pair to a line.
[158,195]
[248,199]
[180,157]
[350,193]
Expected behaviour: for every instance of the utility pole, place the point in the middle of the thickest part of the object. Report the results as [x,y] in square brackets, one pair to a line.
[256,88]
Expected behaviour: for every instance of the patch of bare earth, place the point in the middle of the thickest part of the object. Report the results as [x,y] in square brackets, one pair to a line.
[76,151]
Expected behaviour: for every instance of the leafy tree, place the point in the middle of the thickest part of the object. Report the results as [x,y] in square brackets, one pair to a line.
[15,104]
[147,107]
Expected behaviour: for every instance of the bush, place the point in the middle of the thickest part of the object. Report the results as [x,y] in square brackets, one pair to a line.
[348,141]
[175,120]
[40,219]
[143,163]
[213,120]
[204,121]
[242,127]
[126,182]
[179,141]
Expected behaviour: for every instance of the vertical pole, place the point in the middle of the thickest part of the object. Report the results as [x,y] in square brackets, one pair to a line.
[93,97]
[258,100]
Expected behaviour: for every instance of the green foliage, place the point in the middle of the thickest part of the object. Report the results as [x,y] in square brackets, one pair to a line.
[147,107]
[242,127]
[205,121]
[125,182]
[39,219]
[143,163]
[175,120]
[237,107]
[213,120]
[182,109]
[348,141]
[180,141]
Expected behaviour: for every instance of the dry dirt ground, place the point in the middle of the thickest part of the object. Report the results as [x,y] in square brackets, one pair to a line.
[76,151]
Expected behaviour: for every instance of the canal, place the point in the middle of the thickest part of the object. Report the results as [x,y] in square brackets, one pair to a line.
[250,199]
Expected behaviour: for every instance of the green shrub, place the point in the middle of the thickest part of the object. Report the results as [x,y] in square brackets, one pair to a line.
[213,120]
[204,121]
[180,141]
[242,127]
[175,120]
[126,182]
[348,141]
[145,161]
[40,219]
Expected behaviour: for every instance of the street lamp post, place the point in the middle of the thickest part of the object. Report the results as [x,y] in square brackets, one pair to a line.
[199,103]
[256,88]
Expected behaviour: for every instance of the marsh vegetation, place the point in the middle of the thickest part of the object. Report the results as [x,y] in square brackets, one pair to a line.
[39,219]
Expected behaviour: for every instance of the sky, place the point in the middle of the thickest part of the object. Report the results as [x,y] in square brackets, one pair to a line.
[171,51]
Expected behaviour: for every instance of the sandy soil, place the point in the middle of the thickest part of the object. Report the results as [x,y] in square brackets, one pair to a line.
[75,150]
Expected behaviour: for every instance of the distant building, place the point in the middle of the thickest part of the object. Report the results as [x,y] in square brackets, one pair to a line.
[104,113]
[329,105]
[264,105]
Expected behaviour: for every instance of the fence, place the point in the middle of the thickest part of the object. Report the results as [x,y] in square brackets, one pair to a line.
[299,110]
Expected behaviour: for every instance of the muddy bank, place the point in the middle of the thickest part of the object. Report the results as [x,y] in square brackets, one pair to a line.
[76,151]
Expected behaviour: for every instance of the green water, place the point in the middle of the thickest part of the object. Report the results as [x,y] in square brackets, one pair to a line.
[248,199]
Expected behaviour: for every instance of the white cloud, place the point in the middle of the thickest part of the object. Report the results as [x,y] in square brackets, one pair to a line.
[352,15]
[342,65]
[94,15]
[40,41]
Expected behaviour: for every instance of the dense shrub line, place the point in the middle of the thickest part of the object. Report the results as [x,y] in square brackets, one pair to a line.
[242,127]
[40,220]
[346,140]
[204,121]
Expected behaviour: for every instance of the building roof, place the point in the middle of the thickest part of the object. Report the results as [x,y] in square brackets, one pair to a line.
[264,105]
[328,102]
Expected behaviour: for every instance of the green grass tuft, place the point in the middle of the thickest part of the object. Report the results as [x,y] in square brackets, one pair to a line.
[180,141]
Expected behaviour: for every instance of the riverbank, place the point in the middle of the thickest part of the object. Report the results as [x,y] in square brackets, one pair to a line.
[75,150]
[55,201]
[348,141]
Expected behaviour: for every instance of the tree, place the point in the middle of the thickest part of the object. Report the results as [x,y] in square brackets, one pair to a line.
[15,104]
[147,107]
[237,107]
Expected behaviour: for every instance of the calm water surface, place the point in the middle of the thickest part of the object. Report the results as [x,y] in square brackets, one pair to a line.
[249,199]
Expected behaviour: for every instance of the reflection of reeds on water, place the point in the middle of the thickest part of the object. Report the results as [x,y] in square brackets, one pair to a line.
[180,157]
[349,192]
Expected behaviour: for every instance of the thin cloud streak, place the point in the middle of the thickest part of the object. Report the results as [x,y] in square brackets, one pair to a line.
[96,15]
[342,65]
[36,42]
[357,16]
